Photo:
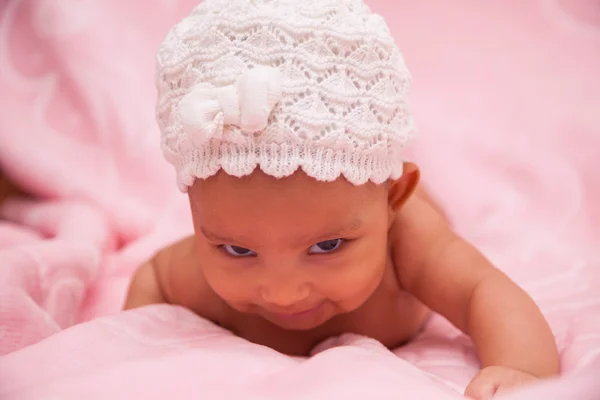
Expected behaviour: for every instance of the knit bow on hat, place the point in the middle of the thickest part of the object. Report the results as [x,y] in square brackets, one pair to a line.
[205,110]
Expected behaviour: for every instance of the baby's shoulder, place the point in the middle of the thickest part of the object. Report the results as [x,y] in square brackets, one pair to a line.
[181,251]
[416,233]
[418,223]
[183,283]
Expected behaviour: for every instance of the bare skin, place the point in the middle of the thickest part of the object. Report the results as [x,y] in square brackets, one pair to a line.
[288,263]
[371,319]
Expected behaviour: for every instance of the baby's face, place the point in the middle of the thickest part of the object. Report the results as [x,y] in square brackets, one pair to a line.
[294,251]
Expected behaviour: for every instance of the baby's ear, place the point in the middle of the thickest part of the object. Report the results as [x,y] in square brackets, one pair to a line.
[401,189]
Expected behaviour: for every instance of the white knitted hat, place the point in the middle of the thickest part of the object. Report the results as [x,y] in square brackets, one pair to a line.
[283,84]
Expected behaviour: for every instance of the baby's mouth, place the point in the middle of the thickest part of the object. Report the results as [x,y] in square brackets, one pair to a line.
[297,314]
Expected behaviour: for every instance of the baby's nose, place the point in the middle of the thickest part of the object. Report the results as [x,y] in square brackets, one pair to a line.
[285,295]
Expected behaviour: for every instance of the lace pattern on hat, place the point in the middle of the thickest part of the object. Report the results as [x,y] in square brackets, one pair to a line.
[343,108]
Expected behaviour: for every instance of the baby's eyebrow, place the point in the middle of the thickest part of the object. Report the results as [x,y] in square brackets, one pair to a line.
[339,232]
[213,236]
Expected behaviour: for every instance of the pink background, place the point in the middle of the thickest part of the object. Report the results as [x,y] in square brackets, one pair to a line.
[507,98]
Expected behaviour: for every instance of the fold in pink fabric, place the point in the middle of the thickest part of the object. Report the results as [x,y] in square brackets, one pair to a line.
[506,98]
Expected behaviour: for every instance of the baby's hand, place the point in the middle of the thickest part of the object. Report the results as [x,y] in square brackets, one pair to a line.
[495,380]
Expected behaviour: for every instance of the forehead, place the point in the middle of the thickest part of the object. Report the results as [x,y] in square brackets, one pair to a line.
[297,202]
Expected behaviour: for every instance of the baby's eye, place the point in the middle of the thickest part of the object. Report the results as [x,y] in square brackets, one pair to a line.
[326,247]
[237,251]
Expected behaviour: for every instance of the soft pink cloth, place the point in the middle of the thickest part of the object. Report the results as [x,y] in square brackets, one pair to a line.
[506,95]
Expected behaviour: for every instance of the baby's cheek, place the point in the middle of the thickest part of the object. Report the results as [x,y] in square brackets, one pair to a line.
[356,281]
[230,286]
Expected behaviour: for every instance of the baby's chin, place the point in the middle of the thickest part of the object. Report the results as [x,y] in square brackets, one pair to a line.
[307,320]
[314,318]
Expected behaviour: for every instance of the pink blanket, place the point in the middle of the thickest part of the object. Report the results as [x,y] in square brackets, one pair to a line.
[506,95]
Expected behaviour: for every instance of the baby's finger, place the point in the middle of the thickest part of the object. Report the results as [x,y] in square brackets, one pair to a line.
[481,388]
[504,389]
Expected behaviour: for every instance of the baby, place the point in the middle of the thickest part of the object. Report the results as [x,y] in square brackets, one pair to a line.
[285,121]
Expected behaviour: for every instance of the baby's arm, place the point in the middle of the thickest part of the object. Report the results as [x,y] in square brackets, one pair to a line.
[454,279]
[145,288]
